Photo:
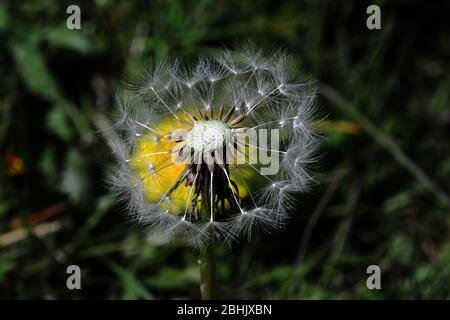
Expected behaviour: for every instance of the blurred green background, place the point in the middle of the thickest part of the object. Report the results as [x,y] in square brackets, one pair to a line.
[383,177]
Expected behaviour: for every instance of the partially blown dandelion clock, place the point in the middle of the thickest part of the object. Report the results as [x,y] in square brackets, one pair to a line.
[221,148]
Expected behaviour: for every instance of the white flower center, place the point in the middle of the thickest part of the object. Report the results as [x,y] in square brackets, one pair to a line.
[208,136]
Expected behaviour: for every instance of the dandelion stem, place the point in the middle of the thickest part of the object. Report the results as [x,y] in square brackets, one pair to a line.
[207,261]
[208,279]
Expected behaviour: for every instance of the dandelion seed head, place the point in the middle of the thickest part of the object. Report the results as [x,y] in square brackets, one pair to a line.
[186,162]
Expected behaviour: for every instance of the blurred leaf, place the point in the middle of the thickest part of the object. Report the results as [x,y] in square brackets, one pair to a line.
[104,203]
[5,267]
[132,287]
[400,249]
[58,123]
[4,17]
[33,71]
[75,40]
[75,179]
[171,278]
[398,202]
[47,164]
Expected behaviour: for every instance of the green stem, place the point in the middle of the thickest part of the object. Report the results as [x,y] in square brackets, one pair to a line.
[208,279]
